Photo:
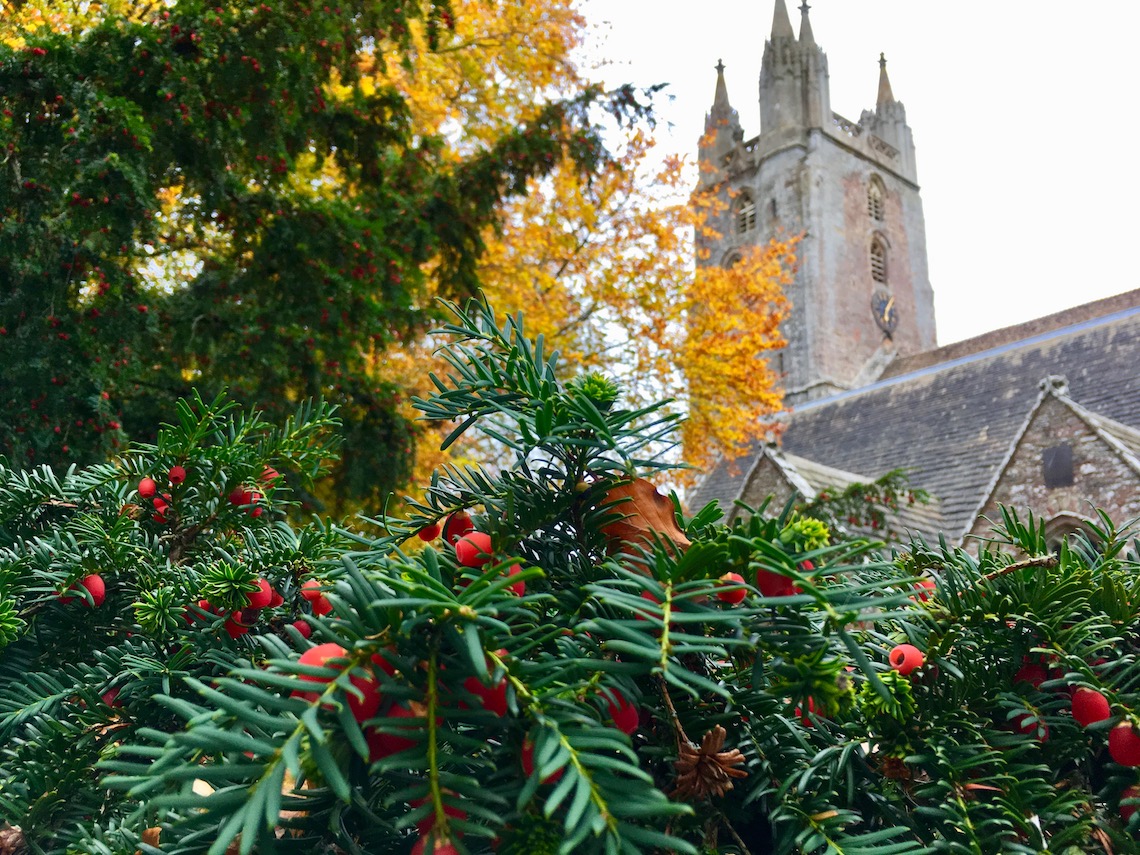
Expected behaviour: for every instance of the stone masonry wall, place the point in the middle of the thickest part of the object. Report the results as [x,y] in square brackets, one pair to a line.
[1100,477]
[766,481]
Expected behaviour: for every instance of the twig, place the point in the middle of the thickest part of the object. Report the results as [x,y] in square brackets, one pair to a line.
[1036,561]
[744,850]
[679,734]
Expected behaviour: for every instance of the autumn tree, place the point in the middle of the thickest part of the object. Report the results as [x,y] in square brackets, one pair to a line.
[208,196]
[603,264]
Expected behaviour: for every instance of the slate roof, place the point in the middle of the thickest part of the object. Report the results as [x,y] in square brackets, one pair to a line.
[951,424]
[920,518]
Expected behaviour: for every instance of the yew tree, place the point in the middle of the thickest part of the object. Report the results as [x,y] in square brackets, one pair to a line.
[207,196]
[547,656]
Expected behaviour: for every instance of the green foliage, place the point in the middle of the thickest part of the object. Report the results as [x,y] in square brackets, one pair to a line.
[587,689]
[169,221]
[871,508]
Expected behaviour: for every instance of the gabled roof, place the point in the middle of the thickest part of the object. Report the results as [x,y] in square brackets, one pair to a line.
[951,424]
[1106,429]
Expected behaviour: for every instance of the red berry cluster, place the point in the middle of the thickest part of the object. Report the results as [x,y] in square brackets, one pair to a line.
[240,621]
[473,548]
[1088,707]
[162,503]
[395,724]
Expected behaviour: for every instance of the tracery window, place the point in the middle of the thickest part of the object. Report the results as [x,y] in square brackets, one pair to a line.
[745,209]
[875,199]
[878,261]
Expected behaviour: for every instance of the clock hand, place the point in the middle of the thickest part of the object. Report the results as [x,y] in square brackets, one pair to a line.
[885,314]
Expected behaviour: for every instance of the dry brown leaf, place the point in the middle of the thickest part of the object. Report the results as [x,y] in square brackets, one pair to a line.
[647,518]
[12,841]
[150,837]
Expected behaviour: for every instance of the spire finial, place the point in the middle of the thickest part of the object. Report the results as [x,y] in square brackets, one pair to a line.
[781,23]
[807,37]
[721,108]
[886,96]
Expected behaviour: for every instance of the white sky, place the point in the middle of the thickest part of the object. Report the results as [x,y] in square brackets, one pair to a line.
[1023,113]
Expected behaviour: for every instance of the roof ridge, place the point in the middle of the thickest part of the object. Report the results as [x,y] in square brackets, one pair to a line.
[1096,423]
[981,355]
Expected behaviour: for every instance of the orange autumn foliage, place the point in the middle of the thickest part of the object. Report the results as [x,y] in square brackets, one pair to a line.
[602,267]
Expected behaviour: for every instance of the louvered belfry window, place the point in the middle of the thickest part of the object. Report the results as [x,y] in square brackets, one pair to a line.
[878,261]
[745,214]
[875,200]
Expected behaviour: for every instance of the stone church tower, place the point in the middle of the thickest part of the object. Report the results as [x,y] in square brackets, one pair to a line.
[862,293]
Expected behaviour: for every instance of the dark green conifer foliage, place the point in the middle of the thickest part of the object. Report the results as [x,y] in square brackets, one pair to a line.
[638,693]
[112,306]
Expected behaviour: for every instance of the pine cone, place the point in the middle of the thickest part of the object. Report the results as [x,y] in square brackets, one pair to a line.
[707,771]
[12,841]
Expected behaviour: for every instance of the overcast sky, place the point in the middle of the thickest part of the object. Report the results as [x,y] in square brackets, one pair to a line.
[1023,112]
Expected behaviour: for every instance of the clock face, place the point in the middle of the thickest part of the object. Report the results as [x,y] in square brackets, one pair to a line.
[885,312]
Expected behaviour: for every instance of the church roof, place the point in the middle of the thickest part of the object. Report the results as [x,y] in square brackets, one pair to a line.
[951,424]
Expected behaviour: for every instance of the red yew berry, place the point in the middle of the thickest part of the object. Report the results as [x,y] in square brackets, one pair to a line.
[906,658]
[622,712]
[276,600]
[473,549]
[240,496]
[311,590]
[176,475]
[526,755]
[1124,744]
[428,822]
[494,697]
[362,707]
[269,476]
[94,585]
[1032,725]
[383,664]
[321,606]
[147,488]
[518,587]
[805,719]
[774,585]
[1126,811]
[262,597]
[732,594]
[428,845]
[925,589]
[382,745]
[1033,673]
[457,525]
[1089,707]
[303,627]
[235,626]
[429,532]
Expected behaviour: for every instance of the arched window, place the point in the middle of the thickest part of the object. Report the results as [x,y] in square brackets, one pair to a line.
[875,199]
[731,260]
[878,261]
[745,214]
[1068,527]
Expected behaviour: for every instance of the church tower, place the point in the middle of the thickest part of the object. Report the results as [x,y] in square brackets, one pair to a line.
[862,293]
